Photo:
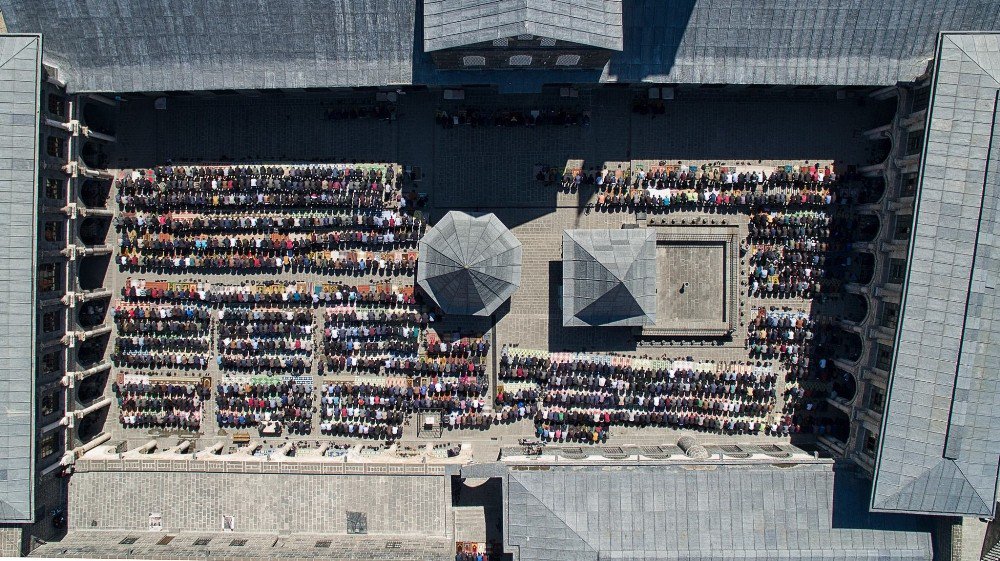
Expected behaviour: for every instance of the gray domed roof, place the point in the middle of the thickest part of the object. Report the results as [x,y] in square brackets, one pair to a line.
[469,265]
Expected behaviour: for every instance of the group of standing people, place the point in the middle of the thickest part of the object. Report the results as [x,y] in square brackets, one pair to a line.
[583,397]
[273,406]
[160,405]
[159,336]
[704,187]
[317,218]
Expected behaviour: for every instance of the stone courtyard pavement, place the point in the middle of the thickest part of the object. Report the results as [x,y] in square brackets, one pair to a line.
[493,169]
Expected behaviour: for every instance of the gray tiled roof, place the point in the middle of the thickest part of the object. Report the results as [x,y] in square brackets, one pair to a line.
[104,544]
[20,67]
[720,512]
[940,440]
[155,45]
[789,41]
[609,277]
[143,45]
[456,23]
[469,264]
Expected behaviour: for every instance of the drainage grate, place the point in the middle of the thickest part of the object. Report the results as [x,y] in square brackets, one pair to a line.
[393,545]
[238,543]
[202,541]
[731,449]
[324,544]
[129,540]
[614,453]
[165,540]
[769,448]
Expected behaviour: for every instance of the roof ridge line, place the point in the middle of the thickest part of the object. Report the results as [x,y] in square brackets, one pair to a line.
[17,52]
[470,258]
[488,257]
[562,520]
[599,262]
[973,59]
[923,474]
[986,504]
[905,486]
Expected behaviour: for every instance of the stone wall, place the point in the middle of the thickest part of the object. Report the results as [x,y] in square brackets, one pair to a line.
[10,541]
[260,502]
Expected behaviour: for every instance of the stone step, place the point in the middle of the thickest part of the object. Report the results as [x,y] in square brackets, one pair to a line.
[470,524]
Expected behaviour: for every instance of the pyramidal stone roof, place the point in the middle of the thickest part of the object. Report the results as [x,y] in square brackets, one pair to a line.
[469,264]
[939,448]
[609,277]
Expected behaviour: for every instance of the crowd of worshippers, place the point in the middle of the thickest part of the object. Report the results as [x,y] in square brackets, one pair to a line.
[471,556]
[371,333]
[458,345]
[787,335]
[322,187]
[388,221]
[365,329]
[788,253]
[515,404]
[414,365]
[468,413]
[162,336]
[272,292]
[363,411]
[345,235]
[260,339]
[781,333]
[316,218]
[475,117]
[377,411]
[353,262]
[704,187]
[274,407]
[806,406]
[380,410]
[811,380]
[160,405]
[449,379]
[582,398]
